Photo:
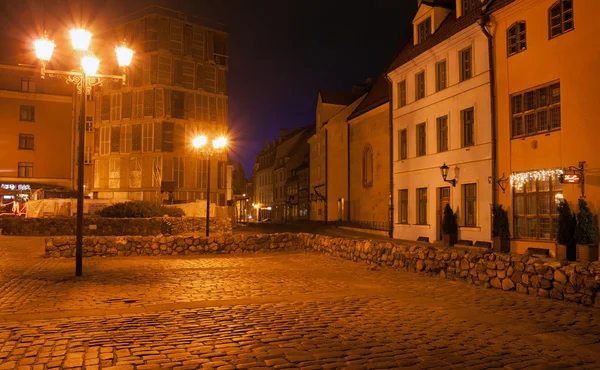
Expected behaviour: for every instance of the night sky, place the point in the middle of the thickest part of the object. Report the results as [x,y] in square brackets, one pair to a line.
[281,52]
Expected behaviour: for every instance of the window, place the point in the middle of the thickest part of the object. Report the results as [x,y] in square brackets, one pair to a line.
[536,111]
[560,18]
[516,38]
[468,6]
[442,134]
[440,75]
[424,30]
[125,139]
[114,173]
[535,208]
[104,140]
[367,166]
[422,206]
[470,204]
[156,171]
[467,117]
[401,93]
[27,84]
[87,155]
[26,141]
[138,105]
[420,85]
[201,173]
[115,107]
[25,169]
[403,152]
[148,137]
[178,104]
[421,140]
[178,171]
[222,175]
[403,206]
[466,66]
[89,124]
[27,113]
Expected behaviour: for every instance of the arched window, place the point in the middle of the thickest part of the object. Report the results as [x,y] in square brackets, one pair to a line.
[560,18]
[516,38]
[367,166]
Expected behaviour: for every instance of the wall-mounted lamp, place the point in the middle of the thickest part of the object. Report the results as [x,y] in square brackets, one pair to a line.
[444,169]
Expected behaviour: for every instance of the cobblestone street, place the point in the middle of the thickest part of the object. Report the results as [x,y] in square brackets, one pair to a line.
[279,310]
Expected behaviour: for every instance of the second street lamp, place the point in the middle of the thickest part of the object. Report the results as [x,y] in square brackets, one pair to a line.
[218,146]
[84,79]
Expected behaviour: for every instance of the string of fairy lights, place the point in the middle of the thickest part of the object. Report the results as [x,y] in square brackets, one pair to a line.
[519,179]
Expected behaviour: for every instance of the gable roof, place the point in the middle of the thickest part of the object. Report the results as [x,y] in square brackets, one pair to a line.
[378,95]
[339,97]
[449,27]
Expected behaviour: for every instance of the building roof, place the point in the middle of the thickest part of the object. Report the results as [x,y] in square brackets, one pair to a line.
[378,95]
[449,27]
[448,4]
[339,97]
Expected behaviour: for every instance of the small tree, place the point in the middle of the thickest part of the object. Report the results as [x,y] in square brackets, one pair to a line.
[449,224]
[500,226]
[567,224]
[586,230]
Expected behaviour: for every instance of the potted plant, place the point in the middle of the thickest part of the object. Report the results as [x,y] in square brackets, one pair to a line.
[500,230]
[449,227]
[565,235]
[586,233]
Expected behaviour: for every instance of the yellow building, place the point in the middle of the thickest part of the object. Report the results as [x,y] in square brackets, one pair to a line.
[176,89]
[329,155]
[36,145]
[546,74]
[369,167]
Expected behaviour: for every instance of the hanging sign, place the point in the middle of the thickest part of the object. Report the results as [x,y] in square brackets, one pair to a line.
[570,177]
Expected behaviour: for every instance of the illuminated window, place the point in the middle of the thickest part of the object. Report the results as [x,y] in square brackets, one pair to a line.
[535,208]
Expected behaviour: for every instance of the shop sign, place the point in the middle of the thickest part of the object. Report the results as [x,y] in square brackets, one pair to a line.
[571,177]
[15,186]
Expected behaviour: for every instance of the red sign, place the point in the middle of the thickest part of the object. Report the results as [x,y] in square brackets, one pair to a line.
[571,177]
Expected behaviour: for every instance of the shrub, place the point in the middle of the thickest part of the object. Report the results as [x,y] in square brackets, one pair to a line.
[500,226]
[449,224]
[567,223]
[586,230]
[139,209]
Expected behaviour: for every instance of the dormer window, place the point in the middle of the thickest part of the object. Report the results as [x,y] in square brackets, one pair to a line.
[469,6]
[424,30]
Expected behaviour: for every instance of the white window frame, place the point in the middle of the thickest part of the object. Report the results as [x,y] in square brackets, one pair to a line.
[147,137]
[105,140]
[115,106]
[125,139]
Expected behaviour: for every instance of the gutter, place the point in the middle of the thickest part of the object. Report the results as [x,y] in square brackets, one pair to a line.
[326,177]
[484,23]
[347,205]
[391,159]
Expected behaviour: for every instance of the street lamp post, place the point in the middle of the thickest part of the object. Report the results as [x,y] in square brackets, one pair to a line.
[84,79]
[218,145]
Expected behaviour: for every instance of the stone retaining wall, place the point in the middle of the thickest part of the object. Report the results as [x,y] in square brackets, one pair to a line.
[95,225]
[573,282]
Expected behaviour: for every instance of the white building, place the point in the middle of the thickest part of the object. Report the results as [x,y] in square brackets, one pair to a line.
[441,114]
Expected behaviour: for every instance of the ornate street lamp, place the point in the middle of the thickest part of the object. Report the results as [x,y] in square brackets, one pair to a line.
[84,80]
[444,169]
[218,146]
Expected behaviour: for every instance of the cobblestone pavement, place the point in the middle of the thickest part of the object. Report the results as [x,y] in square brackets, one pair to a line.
[280,310]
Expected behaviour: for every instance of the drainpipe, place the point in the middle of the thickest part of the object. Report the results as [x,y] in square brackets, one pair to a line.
[326,177]
[484,23]
[391,159]
[347,205]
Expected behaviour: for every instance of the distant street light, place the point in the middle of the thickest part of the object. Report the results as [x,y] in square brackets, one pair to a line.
[218,146]
[84,80]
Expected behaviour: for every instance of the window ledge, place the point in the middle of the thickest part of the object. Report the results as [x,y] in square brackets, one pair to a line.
[402,225]
[420,226]
[470,228]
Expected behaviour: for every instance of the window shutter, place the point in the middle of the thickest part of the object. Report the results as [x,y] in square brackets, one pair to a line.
[178,136]
[115,137]
[105,115]
[163,34]
[209,78]
[198,44]
[221,81]
[219,110]
[213,109]
[136,138]
[149,103]
[96,140]
[177,72]
[190,111]
[164,70]
[160,103]
[198,107]
[98,109]
[154,69]
[188,37]
[151,34]
[167,103]
[199,77]
[158,136]
[209,54]
[188,74]
[167,137]
[127,105]
[147,69]
[176,37]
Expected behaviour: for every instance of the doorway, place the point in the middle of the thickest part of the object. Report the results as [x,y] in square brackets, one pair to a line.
[444,198]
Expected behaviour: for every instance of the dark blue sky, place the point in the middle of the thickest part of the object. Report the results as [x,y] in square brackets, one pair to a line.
[283,51]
